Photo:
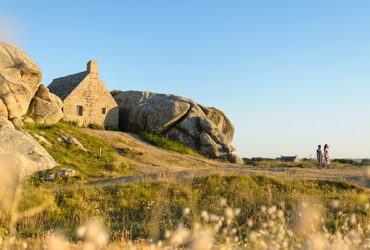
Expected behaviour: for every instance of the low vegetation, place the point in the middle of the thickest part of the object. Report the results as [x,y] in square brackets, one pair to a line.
[151,210]
[303,164]
[100,159]
[246,212]
[161,141]
[350,162]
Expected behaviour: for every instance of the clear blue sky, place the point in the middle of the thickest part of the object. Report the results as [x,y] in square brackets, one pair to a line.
[289,74]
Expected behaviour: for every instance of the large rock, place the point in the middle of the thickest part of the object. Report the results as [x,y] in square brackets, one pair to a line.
[5,123]
[31,156]
[72,140]
[46,107]
[206,130]
[19,80]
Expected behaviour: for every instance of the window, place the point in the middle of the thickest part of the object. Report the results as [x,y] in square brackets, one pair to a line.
[103,111]
[79,110]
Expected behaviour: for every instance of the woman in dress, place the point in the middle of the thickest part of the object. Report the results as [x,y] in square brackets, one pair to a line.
[326,157]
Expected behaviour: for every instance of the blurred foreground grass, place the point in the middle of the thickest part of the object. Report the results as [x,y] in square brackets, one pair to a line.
[147,210]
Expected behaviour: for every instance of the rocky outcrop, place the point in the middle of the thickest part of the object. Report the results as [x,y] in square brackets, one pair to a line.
[19,80]
[23,152]
[61,172]
[46,107]
[5,123]
[42,140]
[72,140]
[206,130]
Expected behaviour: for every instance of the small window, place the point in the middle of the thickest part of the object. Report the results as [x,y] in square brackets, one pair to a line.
[79,110]
[103,111]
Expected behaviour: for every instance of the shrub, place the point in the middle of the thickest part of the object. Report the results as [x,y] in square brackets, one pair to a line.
[95,126]
[346,161]
[161,141]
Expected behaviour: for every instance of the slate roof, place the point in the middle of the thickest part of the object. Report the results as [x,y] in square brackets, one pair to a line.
[63,86]
[289,158]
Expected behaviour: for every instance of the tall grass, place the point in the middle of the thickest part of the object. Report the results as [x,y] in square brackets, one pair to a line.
[141,208]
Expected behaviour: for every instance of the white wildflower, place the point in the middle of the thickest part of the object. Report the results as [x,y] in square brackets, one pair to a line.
[167,234]
[353,220]
[253,237]
[250,223]
[237,211]
[280,214]
[271,210]
[94,234]
[57,242]
[214,218]
[263,209]
[179,237]
[229,213]
[81,231]
[222,202]
[318,242]
[202,241]
[335,204]
[204,215]
[186,212]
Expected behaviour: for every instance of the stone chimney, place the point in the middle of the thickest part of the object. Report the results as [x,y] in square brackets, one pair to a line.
[92,67]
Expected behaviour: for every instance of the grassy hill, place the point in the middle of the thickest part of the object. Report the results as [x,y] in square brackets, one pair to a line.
[232,206]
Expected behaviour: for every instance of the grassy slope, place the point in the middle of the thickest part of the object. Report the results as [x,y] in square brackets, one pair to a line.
[150,207]
[90,164]
[302,164]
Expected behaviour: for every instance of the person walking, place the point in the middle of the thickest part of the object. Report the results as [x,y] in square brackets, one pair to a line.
[319,156]
[326,157]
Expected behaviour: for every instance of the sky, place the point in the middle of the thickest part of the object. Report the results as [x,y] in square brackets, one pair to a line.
[289,74]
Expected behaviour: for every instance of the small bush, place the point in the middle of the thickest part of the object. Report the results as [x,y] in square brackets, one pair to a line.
[161,141]
[346,161]
[95,126]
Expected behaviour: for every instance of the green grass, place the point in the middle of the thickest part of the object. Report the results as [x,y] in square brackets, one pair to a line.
[148,209]
[300,164]
[161,141]
[350,162]
[168,144]
[95,126]
[90,164]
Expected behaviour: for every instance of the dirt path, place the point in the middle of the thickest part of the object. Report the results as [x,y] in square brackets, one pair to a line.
[354,176]
[158,164]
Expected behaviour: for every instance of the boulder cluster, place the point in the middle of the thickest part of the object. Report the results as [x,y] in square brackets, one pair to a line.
[20,79]
[23,99]
[46,107]
[206,130]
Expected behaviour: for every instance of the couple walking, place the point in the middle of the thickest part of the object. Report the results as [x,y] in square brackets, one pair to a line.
[321,159]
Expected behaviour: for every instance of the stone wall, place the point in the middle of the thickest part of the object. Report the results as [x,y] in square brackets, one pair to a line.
[93,96]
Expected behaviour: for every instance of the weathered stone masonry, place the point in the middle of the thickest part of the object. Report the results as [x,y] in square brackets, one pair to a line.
[86,99]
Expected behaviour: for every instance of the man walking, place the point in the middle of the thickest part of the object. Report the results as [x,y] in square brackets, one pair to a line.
[319,156]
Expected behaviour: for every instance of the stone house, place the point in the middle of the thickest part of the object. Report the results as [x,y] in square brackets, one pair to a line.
[85,98]
[289,158]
